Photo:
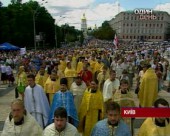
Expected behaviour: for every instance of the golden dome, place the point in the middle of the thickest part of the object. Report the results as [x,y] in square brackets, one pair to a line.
[84,17]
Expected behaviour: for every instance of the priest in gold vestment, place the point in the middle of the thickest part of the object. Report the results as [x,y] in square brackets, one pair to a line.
[41,77]
[148,89]
[52,85]
[158,126]
[70,74]
[91,109]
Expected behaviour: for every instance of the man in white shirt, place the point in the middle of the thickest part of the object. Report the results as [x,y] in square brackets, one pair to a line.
[119,69]
[3,73]
[60,127]
[110,86]
[9,74]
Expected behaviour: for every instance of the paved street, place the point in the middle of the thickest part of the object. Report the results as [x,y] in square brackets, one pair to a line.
[6,97]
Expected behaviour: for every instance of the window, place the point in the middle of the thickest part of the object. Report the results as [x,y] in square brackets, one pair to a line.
[130,37]
[148,37]
[161,25]
[146,25]
[153,37]
[127,37]
[131,18]
[123,36]
[153,25]
[162,18]
[134,37]
[156,37]
[127,24]
[131,24]
[150,25]
[157,25]
[160,37]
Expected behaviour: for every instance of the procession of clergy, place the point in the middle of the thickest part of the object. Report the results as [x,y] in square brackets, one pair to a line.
[83,82]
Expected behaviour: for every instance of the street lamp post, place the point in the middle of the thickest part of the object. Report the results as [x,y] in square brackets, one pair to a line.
[35,46]
[34,13]
[56,30]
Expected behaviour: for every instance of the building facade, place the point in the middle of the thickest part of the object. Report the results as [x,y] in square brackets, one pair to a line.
[141,25]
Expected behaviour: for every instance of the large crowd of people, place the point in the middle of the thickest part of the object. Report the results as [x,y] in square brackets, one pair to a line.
[65,92]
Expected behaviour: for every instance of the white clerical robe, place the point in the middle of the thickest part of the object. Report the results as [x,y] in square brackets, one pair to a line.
[29,128]
[109,87]
[36,104]
[78,92]
[70,130]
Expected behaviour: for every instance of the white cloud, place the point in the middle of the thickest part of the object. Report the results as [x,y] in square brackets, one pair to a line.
[163,7]
[70,3]
[94,14]
[73,10]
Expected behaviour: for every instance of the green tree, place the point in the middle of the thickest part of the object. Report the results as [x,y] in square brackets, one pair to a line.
[17,25]
[105,32]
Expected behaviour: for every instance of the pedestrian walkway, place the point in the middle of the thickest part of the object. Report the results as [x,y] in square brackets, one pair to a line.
[6,97]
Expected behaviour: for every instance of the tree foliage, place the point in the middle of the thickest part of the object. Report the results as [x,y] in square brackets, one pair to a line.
[105,32]
[17,25]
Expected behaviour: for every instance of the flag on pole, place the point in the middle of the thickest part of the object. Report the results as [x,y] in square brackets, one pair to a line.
[115,42]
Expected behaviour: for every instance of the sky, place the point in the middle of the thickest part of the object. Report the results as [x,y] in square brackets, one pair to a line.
[96,11]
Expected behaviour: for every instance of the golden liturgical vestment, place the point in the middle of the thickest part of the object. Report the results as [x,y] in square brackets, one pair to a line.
[41,79]
[148,88]
[91,111]
[149,128]
[51,87]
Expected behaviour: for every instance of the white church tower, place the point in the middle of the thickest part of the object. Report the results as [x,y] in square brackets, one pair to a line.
[84,25]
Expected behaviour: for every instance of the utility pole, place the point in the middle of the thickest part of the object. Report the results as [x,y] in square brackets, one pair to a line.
[56,30]
[34,26]
[35,46]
